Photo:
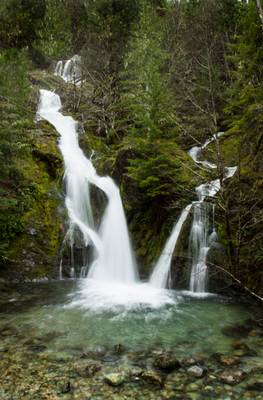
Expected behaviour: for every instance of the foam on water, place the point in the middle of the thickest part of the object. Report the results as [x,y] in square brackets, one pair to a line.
[101,296]
[197,295]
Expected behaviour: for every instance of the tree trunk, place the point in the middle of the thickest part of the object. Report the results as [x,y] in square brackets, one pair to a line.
[260,11]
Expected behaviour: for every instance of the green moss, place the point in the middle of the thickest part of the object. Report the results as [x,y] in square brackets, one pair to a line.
[229,145]
[32,224]
[37,247]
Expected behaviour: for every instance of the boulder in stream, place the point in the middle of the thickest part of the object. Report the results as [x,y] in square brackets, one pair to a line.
[152,377]
[166,362]
[115,378]
[87,369]
[231,377]
[196,371]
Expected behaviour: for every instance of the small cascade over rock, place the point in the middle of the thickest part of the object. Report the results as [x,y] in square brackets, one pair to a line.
[160,273]
[70,70]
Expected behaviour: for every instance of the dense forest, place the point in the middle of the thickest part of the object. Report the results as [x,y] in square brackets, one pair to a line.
[131,199]
[158,78]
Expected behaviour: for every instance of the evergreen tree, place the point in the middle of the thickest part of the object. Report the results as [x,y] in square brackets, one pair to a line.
[244,119]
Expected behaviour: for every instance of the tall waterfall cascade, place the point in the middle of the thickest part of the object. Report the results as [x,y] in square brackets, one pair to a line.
[114,258]
[112,279]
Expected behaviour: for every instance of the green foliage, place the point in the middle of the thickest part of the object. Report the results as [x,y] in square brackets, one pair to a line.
[196,38]
[160,170]
[146,94]
[13,76]
[244,107]
[55,31]
[244,121]
[19,22]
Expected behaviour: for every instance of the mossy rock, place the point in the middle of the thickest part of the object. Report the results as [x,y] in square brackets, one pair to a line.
[33,222]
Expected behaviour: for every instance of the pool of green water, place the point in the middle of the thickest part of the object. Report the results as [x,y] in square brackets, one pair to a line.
[38,326]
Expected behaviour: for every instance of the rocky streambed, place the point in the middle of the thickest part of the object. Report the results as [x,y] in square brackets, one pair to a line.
[196,349]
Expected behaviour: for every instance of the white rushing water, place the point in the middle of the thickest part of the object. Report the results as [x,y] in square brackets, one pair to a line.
[114,259]
[196,151]
[203,232]
[101,296]
[160,272]
[70,70]
[199,246]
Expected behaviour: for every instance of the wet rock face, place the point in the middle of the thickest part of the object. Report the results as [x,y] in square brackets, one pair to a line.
[33,241]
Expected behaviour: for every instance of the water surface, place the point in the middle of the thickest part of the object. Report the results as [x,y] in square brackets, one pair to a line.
[46,334]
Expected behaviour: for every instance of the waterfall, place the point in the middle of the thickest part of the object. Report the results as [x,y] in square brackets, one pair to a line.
[112,276]
[59,68]
[160,272]
[114,259]
[195,152]
[110,281]
[199,245]
[203,233]
[70,70]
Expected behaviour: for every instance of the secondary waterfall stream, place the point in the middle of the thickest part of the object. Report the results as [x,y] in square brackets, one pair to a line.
[203,232]
[70,70]
[161,270]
